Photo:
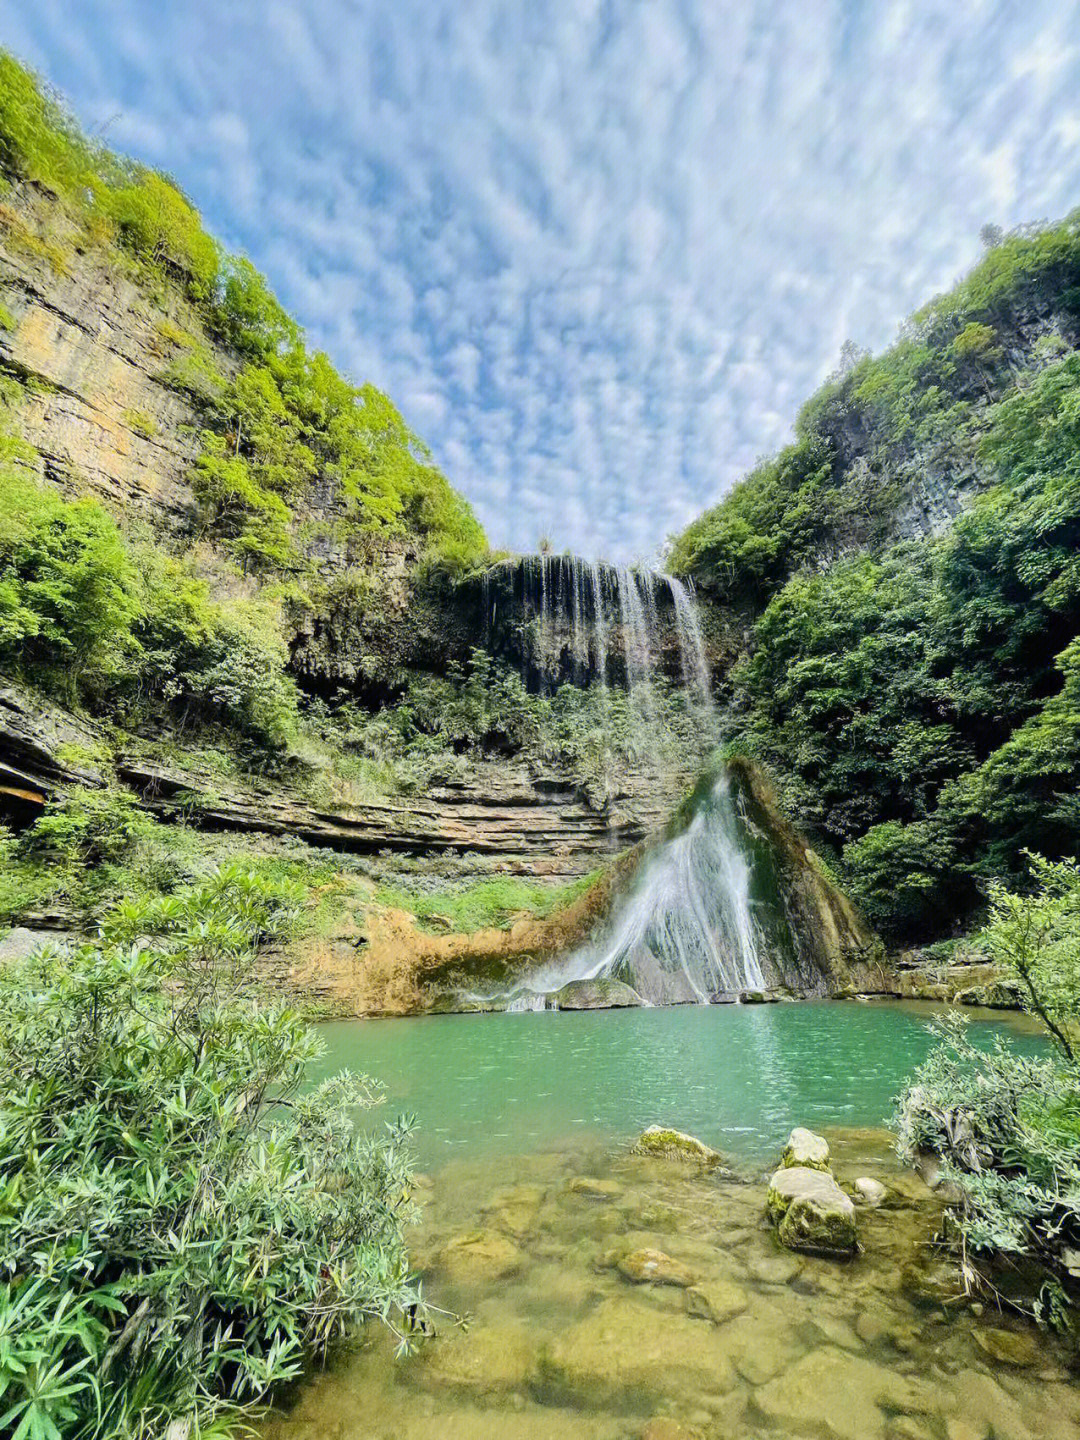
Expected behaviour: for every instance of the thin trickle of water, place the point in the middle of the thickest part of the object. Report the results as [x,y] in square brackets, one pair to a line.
[695,667]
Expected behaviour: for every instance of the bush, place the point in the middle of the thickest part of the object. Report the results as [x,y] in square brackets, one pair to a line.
[1007,1127]
[85,828]
[183,1223]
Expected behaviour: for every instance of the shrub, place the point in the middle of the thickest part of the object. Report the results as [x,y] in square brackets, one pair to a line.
[1005,1126]
[85,828]
[183,1223]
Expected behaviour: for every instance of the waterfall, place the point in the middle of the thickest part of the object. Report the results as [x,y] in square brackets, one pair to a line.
[688,930]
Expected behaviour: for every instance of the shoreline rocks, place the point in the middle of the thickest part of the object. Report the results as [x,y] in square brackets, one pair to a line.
[806,1150]
[805,1203]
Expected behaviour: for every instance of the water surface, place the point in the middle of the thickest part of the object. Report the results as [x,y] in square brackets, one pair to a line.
[737,1076]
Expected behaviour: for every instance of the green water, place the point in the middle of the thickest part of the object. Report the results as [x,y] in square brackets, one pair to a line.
[739,1077]
[536,1218]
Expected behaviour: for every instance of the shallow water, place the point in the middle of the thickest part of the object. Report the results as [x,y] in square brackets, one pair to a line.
[532,1202]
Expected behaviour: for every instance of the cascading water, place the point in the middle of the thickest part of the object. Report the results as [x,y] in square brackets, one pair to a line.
[695,927]
[688,931]
[695,666]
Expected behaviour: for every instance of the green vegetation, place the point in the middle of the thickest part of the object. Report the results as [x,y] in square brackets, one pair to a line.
[443,725]
[94,852]
[1006,1128]
[285,420]
[917,701]
[85,613]
[920,403]
[488,904]
[184,1224]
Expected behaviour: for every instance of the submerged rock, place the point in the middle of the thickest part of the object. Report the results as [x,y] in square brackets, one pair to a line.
[624,1351]
[593,1189]
[480,1256]
[595,995]
[807,1150]
[813,1213]
[869,1192]
[666,1144]
[664,1428]
[653,1267]
[482,1360]
[830,1392]
[716,1300]
[1010,1347]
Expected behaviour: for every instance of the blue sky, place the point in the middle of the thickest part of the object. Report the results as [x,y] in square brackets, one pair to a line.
[598,251]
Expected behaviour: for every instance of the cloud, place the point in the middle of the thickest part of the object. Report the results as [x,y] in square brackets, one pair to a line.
[597,254]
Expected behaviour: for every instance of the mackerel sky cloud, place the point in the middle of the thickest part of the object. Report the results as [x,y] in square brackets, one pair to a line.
[598,251]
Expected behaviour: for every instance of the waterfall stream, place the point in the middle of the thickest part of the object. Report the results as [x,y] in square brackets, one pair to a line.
[703,920]
[687,931]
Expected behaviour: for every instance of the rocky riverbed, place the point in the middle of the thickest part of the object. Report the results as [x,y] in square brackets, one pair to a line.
[645,1296]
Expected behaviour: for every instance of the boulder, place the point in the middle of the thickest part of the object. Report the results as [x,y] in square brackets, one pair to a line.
[653,1267]
[595,995]
[869,1192]
[515,1209]
[813,1213]
[624,1353]
[806,1150]
[667,1144]
[829,1392]
[593,1189]
[1008,1347]
[482,1360]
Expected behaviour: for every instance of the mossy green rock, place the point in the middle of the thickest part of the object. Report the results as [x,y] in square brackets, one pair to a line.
[595,995]
[667,1144]
[806,1150]
[812,1212]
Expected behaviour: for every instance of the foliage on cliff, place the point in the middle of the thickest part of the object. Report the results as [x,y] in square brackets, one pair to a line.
[919,403]
[918,700]
[285,420]
[89,615]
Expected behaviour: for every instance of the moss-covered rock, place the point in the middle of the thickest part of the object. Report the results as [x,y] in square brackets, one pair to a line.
[595,995]
[666,1144]
[653,1267]
[811,1211]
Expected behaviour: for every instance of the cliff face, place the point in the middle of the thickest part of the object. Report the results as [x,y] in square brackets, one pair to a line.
[103,361]
[94,348]
[97,352]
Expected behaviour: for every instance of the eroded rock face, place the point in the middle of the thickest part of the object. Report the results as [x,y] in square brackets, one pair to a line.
[812,1212]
